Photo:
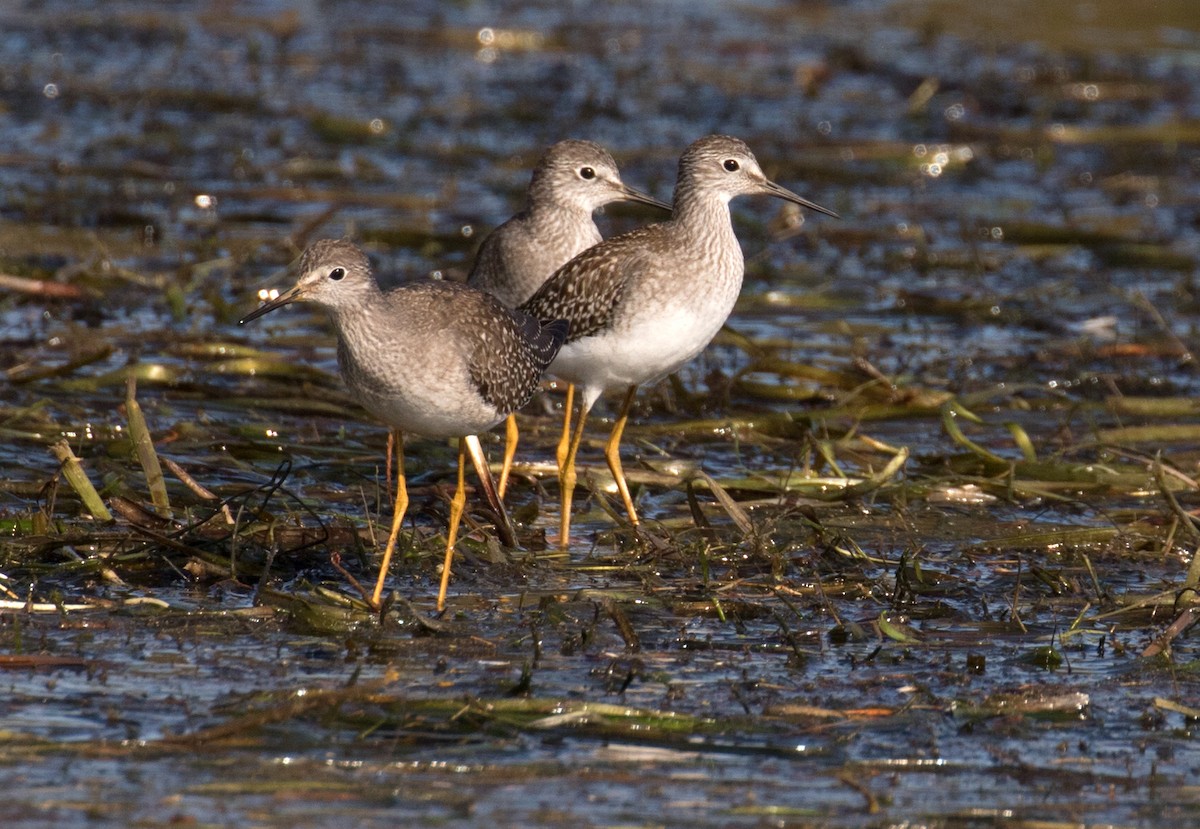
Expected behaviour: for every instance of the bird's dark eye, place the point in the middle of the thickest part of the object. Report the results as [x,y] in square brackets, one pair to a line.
[337,273]
[731,165]
[587,173]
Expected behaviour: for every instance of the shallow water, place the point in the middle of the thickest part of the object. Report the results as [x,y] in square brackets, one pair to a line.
[960,643]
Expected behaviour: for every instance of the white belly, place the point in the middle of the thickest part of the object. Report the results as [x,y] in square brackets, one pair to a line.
[649,349]
[429,412]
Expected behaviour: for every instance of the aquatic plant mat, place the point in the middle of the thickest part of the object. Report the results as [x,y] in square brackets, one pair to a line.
[920,525]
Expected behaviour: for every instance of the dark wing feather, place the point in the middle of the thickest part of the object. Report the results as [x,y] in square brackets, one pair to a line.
[553,336]
[531,329]
[587,291]
[509,355]
[546,339]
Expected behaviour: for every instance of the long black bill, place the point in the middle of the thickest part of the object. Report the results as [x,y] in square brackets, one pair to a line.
[278,302]
[629,194]
[784,193]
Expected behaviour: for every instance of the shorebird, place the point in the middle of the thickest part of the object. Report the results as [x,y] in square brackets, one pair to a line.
[572,179]
[431,358]
[642,304]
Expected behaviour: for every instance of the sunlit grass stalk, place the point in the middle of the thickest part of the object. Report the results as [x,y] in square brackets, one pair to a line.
[1186,521]
[825,449]
[72,470]
[731,507]
[877,480]
[143,445]
[1021,437]
[897,630]
[953,410]
[1076,625]
[1087,560]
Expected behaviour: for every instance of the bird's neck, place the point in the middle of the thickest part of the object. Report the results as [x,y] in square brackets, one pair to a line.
[353,314]
[702,213]
[704,222]
[551,215]
[563,230]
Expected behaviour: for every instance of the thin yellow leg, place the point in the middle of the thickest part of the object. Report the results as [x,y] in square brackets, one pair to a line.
[457,505]
[612,453]
[564,442]
[566,481]
[395,438]
[512,436]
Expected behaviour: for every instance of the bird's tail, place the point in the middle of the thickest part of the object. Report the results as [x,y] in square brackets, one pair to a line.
[550,339]
[546,339]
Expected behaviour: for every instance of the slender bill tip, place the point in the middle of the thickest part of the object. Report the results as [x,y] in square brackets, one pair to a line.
[811,205]
[641,198]
[271,299]
[819,209]
[786,194]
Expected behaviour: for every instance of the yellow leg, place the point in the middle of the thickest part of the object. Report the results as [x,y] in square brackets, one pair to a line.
[566,481]
[564,443]
[511,437]
[395,438]
[456,510]
[612,453]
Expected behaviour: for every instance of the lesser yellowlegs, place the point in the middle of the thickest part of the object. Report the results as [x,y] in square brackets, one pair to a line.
[642,304]
[433,358]
[572,179]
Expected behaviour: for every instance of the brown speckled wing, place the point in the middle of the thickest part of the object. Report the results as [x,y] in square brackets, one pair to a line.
[587,290]
[511,354]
